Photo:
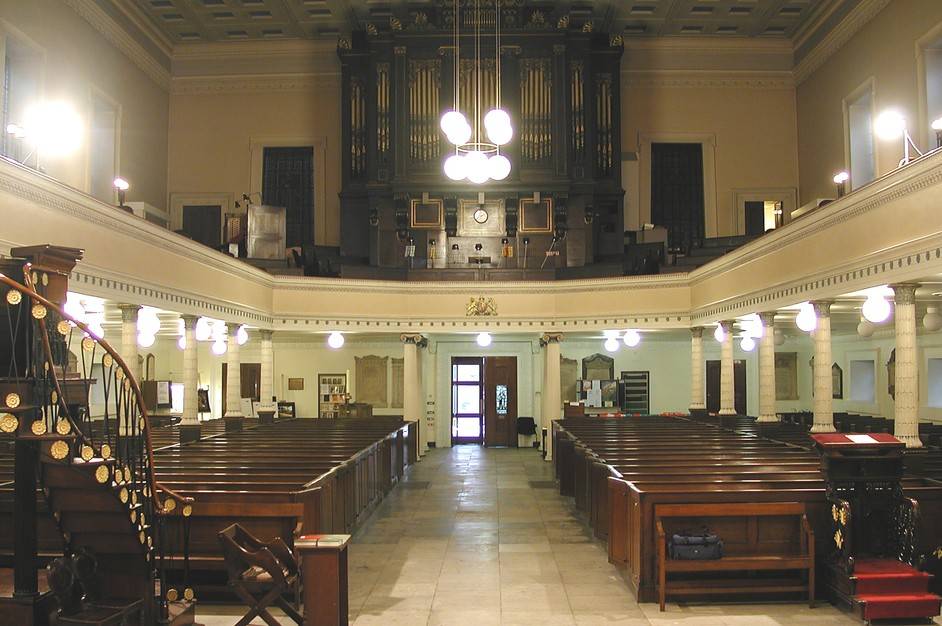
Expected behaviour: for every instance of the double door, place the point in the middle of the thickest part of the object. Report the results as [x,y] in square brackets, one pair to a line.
[484,400]
[713,374]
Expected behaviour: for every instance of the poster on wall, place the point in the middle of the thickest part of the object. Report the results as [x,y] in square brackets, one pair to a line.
[295,384]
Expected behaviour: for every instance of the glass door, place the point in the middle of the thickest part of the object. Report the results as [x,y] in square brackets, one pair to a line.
[467,392]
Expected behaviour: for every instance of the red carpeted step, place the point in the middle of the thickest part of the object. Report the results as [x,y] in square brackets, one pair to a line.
[903,606]
[887,576]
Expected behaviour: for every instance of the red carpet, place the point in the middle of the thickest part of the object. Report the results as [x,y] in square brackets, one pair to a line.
[889,589]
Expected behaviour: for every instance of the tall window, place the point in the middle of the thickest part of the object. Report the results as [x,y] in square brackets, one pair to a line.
[103,148]
[677,192]
[22,74]
[288,181]
[863,376]
[859,111]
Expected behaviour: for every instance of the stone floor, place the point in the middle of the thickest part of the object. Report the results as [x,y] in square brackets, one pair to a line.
[479,536]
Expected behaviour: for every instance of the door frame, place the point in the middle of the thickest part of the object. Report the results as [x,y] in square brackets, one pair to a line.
[708,141]
[243,367]
[741,391]
[494,436]
[465,360]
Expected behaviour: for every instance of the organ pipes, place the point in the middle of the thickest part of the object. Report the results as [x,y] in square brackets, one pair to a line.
[382,111]
[424,90]
[536,89]
[577,104]
[606,141]
[357,128]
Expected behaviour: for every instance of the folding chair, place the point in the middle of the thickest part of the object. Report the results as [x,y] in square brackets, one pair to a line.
[260,573]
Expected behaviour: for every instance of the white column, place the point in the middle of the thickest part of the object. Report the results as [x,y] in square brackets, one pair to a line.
[190,424]
[696,369]
[906,417]
[727,372]
[767,369]
[420,396]
[129,351]
[823,383]
[412,395]
[552,391]
[266,384]
[233,374]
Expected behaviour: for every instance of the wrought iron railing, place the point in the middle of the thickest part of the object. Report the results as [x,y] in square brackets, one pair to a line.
[59,364]
[841,532]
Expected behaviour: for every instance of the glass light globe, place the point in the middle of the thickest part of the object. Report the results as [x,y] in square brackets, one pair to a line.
[74,309]
[147,322]
[451,121]
[752,326]
[219,347]
[55,127]
[477,169]
[841,177]
[335,340]
[718,334]
[865,328]
[932,320]
[496,118]
[498,127]
[455,167]
[498,167]
[748,344]
[203,329]
[484,339]
[611,344]
[889,125]
[460,134]
[181,342]
[876,309]
[806,320]
[96,329]
[144,340]
[632,338]
[242,335]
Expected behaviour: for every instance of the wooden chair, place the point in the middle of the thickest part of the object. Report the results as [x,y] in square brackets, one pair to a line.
[260,573]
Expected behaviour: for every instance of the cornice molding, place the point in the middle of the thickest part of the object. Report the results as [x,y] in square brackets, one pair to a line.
[708,79]
[115,34]
[211,85]
[837,38]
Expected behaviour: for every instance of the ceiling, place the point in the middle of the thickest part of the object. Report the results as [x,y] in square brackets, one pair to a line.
[185,21]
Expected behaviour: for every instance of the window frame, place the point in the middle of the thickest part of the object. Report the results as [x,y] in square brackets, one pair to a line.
[869,86]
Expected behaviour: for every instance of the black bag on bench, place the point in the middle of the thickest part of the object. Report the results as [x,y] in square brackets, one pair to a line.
[695,545]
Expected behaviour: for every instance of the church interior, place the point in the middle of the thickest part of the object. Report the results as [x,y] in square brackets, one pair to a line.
[428,312]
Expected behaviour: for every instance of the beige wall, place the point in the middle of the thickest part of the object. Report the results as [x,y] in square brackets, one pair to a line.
[884,50]
[752,129]
[78,60]
[212,135]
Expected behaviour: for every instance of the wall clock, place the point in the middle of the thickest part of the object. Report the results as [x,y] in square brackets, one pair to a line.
[480,216]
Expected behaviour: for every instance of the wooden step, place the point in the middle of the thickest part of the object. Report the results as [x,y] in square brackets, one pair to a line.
[107,543]
[97,500]
[89,522]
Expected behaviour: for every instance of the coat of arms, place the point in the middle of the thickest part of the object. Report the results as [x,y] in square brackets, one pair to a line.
[482,306]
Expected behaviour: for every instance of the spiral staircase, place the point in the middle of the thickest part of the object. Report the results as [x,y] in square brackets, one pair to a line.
[96,475]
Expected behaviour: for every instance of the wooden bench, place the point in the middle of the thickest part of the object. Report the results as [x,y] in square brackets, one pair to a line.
[757,537]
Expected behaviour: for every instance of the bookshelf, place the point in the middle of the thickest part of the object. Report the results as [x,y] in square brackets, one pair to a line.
[637,392]
[331,395]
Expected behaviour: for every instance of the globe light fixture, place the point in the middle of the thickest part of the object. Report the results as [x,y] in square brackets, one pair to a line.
[455,167]
[632,338]
[891,126]
[477,169]
[335,340]
[876,308]
[145,340]
[865,328]
[499,167]
[498,127]
[932,321]
[748,344]
[719,334]
[840,179]
[147,321]
[242,335]
[611,344]
[752,326]
[181,342]
[55,128]
[484,339]
[220,347]
[806,320]
[203,329]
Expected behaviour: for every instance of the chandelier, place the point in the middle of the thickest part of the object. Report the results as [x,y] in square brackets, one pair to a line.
[477,157]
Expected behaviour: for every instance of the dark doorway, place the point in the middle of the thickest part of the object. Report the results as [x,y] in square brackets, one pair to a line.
[203,223]
[713,386]
[755,217]
[677,192]
[288,181]
[250,378]
[467,400]
[500,401]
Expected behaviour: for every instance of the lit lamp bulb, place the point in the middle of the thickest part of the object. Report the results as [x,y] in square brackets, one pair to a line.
[55,127]
[144,340]
[455,167]
[719,334]
[477,169]
[611,344]
[335,340]
[748,344]
[937,127]
[203,329]
[219,347]
[181,342]
[840,180]
[865,328]
[632,338]
[806,320]
[497,126]
[454,125]
[484,339]
[890,125]
[498,167]
[876,309]
[242,335]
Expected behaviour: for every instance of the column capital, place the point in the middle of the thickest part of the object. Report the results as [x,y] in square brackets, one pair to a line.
[548,338]
[415,338]
[767,317]
[265,333]
[904,293]
[232,328]
[822,308]
[189,321]
[696,332]
[129,312]
[726,325]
